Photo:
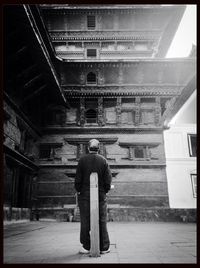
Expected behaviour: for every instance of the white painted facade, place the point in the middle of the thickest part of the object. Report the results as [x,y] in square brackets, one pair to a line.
[180,165]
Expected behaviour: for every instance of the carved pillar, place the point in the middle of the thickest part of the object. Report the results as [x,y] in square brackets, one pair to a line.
[137,111]
[82,111]
[131,153]
[82,78]
[80,151]
[101,77]
[119,110]
[157,111]
[100,112]
[147,153]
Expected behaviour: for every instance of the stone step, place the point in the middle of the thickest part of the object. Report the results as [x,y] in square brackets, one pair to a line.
[123,199]
[142,201]
[151,214]
[116,212]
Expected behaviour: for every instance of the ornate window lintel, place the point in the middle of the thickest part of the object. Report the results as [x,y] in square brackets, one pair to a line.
[138,151]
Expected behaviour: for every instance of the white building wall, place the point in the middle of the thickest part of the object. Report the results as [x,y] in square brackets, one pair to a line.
[180,166]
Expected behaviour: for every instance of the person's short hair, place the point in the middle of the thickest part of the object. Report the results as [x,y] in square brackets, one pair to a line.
[93,145]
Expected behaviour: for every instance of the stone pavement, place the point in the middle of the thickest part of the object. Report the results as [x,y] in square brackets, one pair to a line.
[131,242]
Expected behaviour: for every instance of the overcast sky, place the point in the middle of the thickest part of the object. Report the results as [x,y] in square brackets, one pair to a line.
[185,35]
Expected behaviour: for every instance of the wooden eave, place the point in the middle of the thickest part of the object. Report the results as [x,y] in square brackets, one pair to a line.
[28,72]
[184,96]
[18,158]
[43,53]
[170,31]
[108,94]
[104,7]
[176,11]
[116,62]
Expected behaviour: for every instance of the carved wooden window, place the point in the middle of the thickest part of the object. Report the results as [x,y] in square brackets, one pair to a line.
[82,145]
[139,152]
[128,117]
[71,116]
[192,140]
[91,116]
[194,184]
[110,115]
[91,22]
[91,78]
[147,117]
[91,53]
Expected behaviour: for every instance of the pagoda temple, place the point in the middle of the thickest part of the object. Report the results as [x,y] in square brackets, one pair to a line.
[120,89]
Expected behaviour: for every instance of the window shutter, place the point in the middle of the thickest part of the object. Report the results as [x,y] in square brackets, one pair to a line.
[91,22]
[91,53]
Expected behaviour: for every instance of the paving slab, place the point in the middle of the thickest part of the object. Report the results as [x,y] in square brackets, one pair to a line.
[131,242]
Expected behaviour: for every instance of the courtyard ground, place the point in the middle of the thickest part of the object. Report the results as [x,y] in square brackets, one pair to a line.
[131,242]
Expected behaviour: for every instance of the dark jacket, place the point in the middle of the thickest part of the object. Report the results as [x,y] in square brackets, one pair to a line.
[92,163]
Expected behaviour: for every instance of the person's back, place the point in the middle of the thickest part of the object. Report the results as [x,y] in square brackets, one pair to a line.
[92,163]
[88,164]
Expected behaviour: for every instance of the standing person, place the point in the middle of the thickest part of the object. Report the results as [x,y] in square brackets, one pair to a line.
[93,162]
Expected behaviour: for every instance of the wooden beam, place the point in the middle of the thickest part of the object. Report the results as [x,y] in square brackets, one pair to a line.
[34,94]
[19,158]
[32,81]
[21,50]
[94,216]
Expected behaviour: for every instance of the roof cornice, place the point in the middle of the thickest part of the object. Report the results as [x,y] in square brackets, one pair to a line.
[108,7]
[129,61]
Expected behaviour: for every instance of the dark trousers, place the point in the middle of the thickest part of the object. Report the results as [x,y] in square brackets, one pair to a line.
[84,206]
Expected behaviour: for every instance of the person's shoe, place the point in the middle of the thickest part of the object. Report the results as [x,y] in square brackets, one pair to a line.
[105,251]
[84,251]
